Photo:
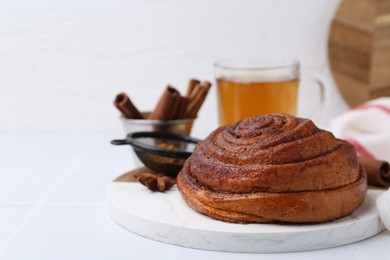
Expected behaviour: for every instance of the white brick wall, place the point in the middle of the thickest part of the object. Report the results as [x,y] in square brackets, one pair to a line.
[62,62]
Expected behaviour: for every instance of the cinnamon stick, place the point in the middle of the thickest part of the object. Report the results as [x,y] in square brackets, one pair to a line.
[182,111]
[127,108]
[378,173]
[191,86]
[175,107]
[167,106]
[197,98]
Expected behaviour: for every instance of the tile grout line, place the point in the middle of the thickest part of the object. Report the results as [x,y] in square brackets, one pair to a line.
[44,197]
[69,205]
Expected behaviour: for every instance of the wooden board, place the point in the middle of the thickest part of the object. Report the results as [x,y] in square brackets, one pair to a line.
[359,49]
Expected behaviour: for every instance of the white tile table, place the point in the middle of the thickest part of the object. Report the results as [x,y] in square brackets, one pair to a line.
[53,206]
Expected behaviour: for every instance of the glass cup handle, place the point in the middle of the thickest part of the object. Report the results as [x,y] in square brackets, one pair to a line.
[319,108]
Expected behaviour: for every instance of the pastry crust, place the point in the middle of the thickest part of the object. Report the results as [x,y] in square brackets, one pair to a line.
[274,168]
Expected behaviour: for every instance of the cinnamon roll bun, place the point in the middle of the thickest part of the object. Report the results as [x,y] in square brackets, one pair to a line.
[273,168]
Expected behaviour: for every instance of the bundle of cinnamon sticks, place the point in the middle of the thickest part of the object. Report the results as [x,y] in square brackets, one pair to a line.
[171,105]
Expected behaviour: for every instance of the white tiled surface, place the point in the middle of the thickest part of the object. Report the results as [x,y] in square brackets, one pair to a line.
[53,206]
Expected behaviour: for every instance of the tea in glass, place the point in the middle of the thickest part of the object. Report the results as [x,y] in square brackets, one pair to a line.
[251,88]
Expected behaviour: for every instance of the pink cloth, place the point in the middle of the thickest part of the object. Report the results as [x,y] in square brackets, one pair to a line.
[367,127]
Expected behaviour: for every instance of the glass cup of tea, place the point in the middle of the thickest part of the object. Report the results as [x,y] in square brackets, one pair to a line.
[252,87]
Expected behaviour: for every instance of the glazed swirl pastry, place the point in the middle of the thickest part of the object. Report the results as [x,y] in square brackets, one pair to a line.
[273,168]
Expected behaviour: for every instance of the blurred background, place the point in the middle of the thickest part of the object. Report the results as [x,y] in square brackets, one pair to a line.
[63,62]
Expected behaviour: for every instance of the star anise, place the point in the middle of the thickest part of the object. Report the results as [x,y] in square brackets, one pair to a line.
[157,182]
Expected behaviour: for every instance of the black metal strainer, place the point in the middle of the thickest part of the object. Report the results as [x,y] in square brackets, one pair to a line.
[160,152]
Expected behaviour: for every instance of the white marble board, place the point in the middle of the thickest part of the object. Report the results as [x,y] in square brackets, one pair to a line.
[167,218]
